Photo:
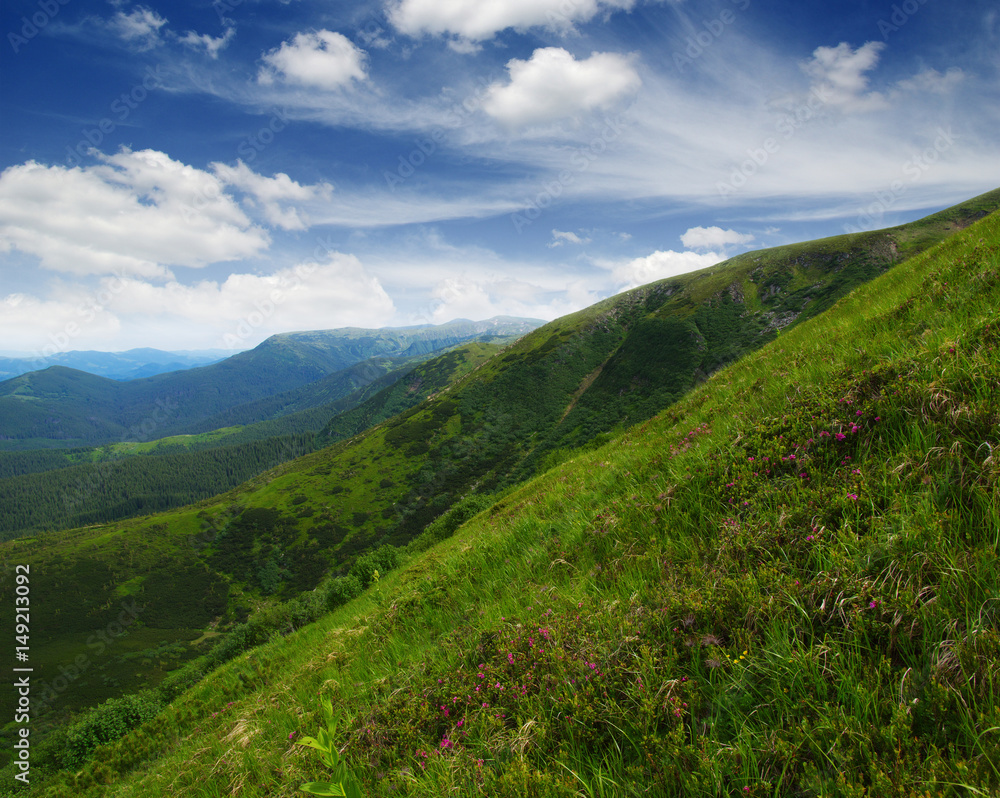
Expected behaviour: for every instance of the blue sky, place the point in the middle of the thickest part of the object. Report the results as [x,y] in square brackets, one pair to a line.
[203,175]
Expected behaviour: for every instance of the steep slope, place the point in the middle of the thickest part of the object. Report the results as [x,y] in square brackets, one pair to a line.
[64,407]
[784,584]
[281,533]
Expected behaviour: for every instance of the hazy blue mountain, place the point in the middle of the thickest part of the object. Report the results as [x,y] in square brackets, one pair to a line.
[129,365]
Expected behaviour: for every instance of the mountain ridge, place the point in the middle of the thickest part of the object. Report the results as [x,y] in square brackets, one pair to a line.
[110,410]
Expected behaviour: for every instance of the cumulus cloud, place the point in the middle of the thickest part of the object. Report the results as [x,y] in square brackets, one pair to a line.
[461,298]
[235,313]
[479,296]
[245,308]
[475,20]
[272,193]
[323,59]
[660,265]
[47,326]
[140,27]
[713,237]
[553,85]
[839,78]
[133,212]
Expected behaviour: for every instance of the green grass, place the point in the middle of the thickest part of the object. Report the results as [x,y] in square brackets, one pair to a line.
[170,442]
[665,615]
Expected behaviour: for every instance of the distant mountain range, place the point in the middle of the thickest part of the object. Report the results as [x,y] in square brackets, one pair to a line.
[65,407]
[131,365]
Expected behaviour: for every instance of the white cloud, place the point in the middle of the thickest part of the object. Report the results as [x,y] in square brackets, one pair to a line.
[323,59]
[140,212]
[713,237]
[212,45]
[462,298]
[246,308]
[559,237]
[553,85]
[476,20]
[660,265]
[930,80]
[140,27]
[272,192]
[464,46]
[235,313]
[47,326]
[133,212]
[839,77]
[478,296]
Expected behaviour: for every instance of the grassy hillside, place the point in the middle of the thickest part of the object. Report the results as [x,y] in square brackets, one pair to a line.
[561,386]
[784,584]
[318,523]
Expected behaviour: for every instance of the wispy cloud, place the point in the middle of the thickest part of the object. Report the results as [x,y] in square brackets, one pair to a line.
[560,237]
[212,45]
[140,27]
[840,77]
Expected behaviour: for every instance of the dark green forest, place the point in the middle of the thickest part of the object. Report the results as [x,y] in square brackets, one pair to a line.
[101,492]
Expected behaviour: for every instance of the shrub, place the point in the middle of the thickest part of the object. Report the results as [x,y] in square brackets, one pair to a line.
[382,560]
[445,525]
[106,723]
[340,590]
